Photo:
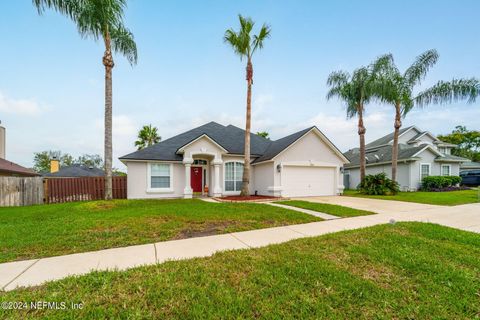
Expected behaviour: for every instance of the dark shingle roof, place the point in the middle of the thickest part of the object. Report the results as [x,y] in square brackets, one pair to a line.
[384,154]
[449,157]
[231,138]
[385,139]
[76,171]
[11,168]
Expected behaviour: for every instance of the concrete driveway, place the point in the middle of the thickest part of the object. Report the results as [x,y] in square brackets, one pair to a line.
[374,205]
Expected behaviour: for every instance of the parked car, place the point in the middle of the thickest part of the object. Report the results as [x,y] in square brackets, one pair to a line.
[470,177]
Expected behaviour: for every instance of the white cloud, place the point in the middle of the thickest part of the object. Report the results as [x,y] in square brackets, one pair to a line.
[27,107]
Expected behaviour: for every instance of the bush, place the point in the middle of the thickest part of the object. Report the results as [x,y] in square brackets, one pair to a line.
[378,184]
[432,183]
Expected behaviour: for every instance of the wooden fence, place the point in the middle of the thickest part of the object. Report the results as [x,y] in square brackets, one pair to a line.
[59,190]
[20,191]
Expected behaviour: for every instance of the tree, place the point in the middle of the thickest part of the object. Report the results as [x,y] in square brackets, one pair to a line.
[356,91]
[90,160]
[397,89]
[100,20]
[147,136]
[263,134]
[245,45]
[467,141]
[41,160]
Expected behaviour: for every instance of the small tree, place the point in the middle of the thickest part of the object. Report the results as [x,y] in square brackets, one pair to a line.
[147,136]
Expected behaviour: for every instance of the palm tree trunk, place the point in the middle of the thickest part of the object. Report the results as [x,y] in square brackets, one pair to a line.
[108,63]
[361,134]
[246,162]
[397,125]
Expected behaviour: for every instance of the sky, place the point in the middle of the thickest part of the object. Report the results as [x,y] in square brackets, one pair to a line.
[52,80]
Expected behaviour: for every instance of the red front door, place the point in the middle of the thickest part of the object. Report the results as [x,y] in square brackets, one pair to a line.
[196,179]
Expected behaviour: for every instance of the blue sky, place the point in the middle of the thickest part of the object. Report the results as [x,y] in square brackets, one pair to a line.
[51,80]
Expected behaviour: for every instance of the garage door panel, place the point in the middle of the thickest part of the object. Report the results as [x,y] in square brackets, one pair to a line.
[308,181]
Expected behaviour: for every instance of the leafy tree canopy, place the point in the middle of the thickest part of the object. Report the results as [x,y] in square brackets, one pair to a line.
[264,134]
[147,136]
[41,160]
[467,141]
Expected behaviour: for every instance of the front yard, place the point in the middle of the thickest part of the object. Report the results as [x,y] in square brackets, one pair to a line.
[50,230]
[451,198]
[400,271]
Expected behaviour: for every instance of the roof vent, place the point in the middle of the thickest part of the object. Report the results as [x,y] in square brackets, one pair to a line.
[377,157]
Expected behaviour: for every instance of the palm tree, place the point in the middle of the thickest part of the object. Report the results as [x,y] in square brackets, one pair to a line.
[101,20]
[356,91]
[397,89]
[147,137]
[245,46]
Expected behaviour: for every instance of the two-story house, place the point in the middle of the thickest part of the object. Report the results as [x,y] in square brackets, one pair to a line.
[420,154]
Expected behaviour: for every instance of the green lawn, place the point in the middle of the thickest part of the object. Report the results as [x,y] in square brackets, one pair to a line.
[49,230]
[451,198]
[339,211]
[401,271]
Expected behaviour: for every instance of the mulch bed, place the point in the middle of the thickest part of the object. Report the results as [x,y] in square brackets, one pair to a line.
[248,199]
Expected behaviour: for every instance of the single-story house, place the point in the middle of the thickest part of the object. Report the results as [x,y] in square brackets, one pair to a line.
[75,171]
[208,160]
[420,154]
[11,169]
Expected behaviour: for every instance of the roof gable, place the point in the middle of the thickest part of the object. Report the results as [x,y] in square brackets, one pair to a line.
[385,140]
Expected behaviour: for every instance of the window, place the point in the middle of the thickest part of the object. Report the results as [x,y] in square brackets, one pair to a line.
[424,170]
[446,168]
[199,162]
[160,176]
[233,176]
[442,150]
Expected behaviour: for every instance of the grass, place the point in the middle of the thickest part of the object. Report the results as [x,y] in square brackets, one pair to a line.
[50,230]
[336,210]
[401,271]
[451,198]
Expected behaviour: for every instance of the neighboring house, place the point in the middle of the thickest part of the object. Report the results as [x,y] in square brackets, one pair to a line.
[420,154]
[75,171]
[8,168]
[465,166]
[208,160]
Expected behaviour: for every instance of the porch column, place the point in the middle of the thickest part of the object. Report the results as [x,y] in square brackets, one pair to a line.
[217,189]
[187,191]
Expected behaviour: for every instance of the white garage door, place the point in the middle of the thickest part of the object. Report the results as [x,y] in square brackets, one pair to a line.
[308,181]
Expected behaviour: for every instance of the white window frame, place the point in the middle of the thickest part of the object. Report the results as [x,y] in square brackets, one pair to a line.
[429,169]
[234,192]
[149,179]
[449,169]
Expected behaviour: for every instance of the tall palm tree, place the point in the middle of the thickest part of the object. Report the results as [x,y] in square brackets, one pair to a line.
[147,137]
[101,20]
[397,89]
[245,45]
[356,91]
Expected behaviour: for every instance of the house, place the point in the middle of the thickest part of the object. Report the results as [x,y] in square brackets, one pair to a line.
[8,168]
[420,154]
[72,171]
[208,160]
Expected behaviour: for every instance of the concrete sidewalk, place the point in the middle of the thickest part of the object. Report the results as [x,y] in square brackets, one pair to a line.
[38,271]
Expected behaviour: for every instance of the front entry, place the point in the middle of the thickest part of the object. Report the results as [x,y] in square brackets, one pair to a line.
[196,179]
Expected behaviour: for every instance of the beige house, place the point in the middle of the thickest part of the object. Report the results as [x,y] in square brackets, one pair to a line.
[420,154]
[208,161]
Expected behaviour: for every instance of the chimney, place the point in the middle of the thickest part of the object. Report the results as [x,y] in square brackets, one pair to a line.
[2,141]
[54,164]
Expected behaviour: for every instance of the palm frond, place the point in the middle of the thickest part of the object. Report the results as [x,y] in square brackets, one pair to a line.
[262,35]
[450,91]
[66,7]
[419,69]
[338,78]
[124,43]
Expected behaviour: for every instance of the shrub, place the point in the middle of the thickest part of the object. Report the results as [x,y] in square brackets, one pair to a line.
[432,183]
[378,184]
